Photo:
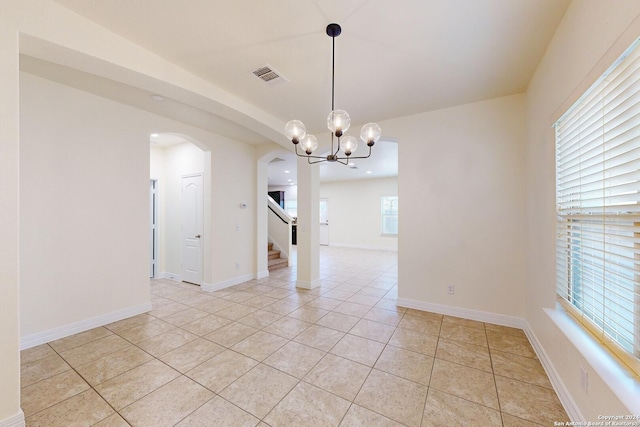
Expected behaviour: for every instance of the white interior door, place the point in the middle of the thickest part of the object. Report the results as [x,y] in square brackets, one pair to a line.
[324,223]
[192,227]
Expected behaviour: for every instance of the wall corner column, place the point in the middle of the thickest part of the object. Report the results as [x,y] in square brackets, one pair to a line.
[9,222]
[308,225]
[262,227]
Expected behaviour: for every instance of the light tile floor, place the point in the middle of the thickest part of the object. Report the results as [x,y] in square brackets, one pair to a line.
[265,353]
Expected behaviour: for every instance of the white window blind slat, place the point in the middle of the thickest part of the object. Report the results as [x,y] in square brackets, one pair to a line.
[598,208]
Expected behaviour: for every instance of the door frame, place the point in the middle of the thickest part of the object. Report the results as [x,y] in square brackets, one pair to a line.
[154,228]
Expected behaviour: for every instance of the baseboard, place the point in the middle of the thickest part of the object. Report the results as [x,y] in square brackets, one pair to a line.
[481,316]
[308,285]
[170,276]
[516,322]
[208,287]
[262,274]
[563,394]
[81,326]
[15,421]
[368,248]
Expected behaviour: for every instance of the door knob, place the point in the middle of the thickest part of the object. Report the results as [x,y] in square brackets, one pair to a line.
[197,236]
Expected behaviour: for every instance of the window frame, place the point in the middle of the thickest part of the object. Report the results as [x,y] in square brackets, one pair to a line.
[583,218]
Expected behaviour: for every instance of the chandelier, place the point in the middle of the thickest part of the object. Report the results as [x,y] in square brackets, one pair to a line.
[338,123]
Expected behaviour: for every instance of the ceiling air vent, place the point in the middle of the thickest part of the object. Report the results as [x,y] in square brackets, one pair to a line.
[268,74]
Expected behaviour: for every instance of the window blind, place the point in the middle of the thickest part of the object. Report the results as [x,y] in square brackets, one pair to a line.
[598,208]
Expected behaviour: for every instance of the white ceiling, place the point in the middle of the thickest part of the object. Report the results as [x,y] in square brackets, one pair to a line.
[394,57]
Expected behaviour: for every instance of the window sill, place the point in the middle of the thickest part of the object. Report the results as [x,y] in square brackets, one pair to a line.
[620,380]
[388,235]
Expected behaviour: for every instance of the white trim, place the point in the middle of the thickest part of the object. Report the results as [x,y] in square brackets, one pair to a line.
[226,283]
[556,381]
[308,285]
[262,274]
[619,380]
[81,326]
[481,316]
[170,276]
[14,421]
[368,248]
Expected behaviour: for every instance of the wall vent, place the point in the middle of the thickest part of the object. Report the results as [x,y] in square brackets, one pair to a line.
[268,74]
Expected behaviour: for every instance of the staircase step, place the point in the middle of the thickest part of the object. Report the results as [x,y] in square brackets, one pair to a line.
[274,260]
[275,264]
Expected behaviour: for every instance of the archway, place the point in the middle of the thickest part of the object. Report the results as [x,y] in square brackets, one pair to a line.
[175,157]
[262,187]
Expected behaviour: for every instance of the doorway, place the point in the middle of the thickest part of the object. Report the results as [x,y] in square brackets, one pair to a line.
[153,235]
[324,222]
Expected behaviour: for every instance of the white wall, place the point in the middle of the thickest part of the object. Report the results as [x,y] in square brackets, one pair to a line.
[354,212]
[229,179]
[233,181]
[157,172]
[170,164]
[85,169]
[84,182]
[47,30]
[591,36]
[462,206]
[10,411]
[156,162]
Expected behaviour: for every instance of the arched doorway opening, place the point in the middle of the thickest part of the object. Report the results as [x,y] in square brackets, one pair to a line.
[179,218]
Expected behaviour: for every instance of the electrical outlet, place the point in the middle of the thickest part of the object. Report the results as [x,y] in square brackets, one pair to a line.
[237,227]
[237,266]
[584,380]
[450,289]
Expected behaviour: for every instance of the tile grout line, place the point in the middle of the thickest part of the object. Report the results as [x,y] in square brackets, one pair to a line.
[287,288]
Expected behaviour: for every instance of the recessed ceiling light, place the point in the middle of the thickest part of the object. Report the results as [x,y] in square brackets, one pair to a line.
[292,183]
[351,164]
[158,98]
[289,180]
[368,171]
[154,135]
[287,171]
